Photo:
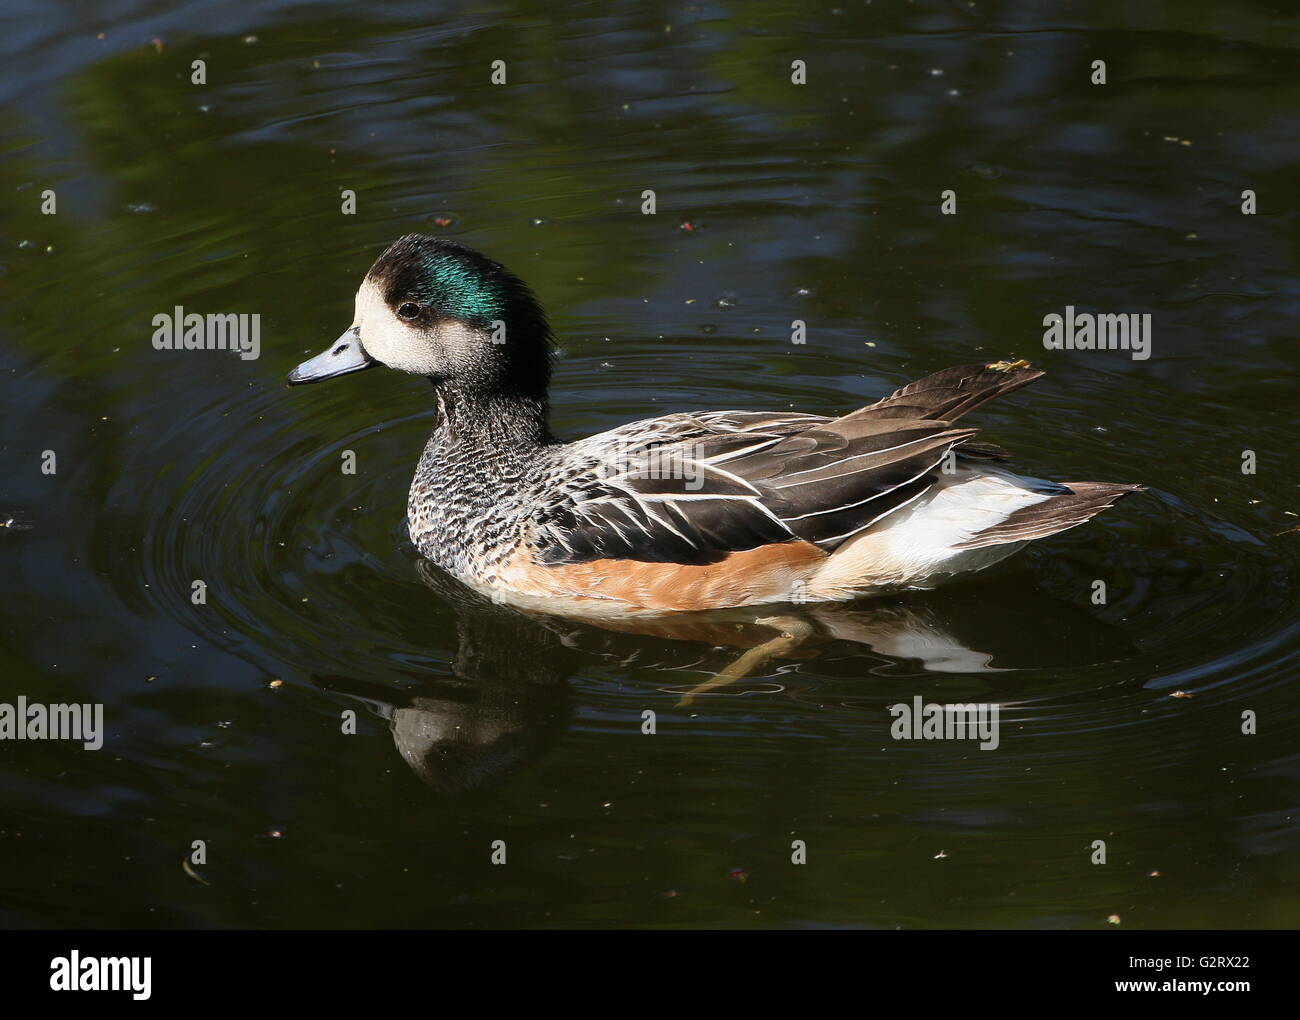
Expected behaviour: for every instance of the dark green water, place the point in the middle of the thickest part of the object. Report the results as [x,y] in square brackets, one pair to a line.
[818,202]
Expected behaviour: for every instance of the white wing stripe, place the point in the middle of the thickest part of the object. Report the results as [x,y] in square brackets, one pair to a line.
[878,517]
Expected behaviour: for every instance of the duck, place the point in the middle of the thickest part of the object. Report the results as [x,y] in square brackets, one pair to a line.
[690,511]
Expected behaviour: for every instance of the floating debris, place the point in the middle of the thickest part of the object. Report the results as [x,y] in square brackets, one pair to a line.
[185,865]
[12,522]
[1181,694]
[1113,919]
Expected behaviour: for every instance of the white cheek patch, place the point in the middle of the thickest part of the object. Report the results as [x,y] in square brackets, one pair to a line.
[389,340]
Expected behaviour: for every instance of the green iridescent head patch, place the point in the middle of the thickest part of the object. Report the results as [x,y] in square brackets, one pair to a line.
[449,280]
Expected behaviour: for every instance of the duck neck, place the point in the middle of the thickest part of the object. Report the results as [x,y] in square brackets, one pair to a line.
[472,485]
[487,428]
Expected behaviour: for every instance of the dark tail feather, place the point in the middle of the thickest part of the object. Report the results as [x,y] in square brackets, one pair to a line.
[949,394]
[1084,501]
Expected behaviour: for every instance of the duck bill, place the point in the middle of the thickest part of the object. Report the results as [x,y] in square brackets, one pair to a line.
[344,355]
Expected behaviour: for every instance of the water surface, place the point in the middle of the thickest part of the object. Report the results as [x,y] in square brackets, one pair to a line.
[775,202]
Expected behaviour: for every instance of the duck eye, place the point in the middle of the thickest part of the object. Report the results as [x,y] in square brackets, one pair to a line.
[408,309]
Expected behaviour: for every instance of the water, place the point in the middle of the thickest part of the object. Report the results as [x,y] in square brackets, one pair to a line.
[477,724]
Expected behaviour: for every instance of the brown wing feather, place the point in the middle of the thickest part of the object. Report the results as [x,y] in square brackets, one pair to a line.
[750,479]
[949,394]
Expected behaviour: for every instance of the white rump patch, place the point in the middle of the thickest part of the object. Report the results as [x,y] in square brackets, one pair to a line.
[915,546]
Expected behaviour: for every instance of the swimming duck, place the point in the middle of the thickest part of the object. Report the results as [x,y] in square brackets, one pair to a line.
[689,511]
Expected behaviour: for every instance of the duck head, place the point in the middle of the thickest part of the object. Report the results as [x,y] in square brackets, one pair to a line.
[435,308]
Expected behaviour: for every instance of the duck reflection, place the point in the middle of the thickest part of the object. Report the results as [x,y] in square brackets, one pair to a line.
[509,699]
